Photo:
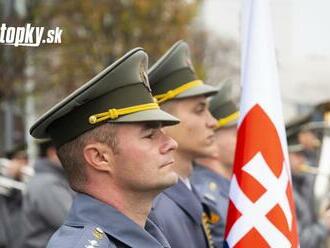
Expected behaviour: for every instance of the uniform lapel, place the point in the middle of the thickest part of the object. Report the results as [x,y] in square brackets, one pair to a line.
[186,200]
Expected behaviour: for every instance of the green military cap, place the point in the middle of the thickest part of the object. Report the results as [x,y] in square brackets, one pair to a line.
[323,107]
[303,124]
[322,112]
[296,148]
[174,77]
[119,94]
[294,126]
[319,128]
[223,108]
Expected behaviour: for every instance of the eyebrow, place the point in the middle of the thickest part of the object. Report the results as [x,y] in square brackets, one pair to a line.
[151,125]
[202,103]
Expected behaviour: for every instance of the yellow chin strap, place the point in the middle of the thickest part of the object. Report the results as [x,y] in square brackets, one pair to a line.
[115,113]
[224,121]
[173,93]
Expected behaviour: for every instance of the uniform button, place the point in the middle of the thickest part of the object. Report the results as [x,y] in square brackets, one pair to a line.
[98,233]
[213,186]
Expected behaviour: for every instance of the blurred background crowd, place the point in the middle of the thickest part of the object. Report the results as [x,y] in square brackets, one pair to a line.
[95,33]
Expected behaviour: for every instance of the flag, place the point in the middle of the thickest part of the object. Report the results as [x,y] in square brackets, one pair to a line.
[322,183]
[261,210]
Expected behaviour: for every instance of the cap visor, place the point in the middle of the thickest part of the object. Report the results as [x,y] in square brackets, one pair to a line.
[206,90]
[153,115]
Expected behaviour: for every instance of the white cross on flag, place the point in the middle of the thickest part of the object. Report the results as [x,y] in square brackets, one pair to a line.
[261,209]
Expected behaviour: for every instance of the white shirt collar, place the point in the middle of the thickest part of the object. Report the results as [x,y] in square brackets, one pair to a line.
[187,183]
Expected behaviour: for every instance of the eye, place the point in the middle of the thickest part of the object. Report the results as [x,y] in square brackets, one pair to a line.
[200,109]
[150,134]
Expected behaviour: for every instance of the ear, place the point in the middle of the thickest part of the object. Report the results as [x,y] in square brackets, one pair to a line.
[99,156]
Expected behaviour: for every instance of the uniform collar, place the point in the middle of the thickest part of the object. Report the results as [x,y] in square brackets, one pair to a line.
[87,210]
[186,182]
[201,174]
[187,200]
[200,169]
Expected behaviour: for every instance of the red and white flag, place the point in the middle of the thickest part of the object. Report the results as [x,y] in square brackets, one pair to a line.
[261,207]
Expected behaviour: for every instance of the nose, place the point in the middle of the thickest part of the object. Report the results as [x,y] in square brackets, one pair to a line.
[211,121]
[168,144]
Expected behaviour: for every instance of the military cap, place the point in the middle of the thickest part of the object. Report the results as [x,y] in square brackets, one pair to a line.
[316,120]
[296,148]
[293,127]
[19,150]
[305,124]
[173,76]
[222,106]
[323,107]
[119,94]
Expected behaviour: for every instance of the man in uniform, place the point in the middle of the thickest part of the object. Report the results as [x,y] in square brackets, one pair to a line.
[211,175]
[47,199]
[110,142]
[313,228]
[12,197]
[305,131]
[179,211]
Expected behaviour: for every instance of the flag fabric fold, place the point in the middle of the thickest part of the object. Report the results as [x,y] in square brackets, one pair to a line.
[261,209]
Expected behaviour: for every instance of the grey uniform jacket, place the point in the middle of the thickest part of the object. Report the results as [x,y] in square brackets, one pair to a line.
[45,205]
[94,224]
[312,233]
[213,187]
[178,213]
[5,228]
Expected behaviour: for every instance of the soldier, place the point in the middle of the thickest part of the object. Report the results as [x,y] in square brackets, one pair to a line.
[313,229]
[179,211]
[211,175]
[12,199]
[47,199]
[306,132]
[6,231]
[110,142]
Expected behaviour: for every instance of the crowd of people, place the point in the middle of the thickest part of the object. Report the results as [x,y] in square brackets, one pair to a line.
[140,157]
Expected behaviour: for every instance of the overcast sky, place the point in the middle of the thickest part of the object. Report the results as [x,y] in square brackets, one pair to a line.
[302,38]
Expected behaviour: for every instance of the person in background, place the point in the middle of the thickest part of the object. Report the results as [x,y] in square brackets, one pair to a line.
[307,134]
[313,229]
[47,199]
[179,211]
[18,161]
[303,130]
[211,175]
[11,197]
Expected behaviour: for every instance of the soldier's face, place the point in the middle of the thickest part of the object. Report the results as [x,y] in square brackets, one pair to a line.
[145,157]
[195,132]
[309,140]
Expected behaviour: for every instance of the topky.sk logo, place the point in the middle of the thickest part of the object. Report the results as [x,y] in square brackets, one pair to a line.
[29,35]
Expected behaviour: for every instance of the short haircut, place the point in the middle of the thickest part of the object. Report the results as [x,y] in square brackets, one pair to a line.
[72,157]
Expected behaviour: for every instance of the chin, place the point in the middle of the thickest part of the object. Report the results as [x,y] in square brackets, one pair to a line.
[169,180]
[204,153]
